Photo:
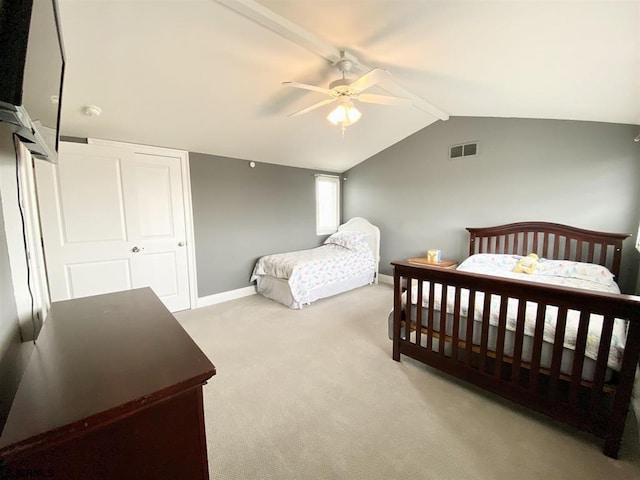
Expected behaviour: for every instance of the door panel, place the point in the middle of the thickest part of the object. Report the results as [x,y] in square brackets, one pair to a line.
[95,278]
[154,200]
[159,271]
[81,200]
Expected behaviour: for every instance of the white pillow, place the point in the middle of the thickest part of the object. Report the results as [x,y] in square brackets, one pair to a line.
[348,239]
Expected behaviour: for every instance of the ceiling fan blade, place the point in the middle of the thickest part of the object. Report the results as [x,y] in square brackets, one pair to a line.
[384,99]
[307,87]
[313,107]
[369,79]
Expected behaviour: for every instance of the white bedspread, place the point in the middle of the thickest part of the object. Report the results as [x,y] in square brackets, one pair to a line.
[321,266]
[555,272]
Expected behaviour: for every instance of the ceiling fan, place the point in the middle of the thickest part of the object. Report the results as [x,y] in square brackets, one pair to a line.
[344,90]
[258,13]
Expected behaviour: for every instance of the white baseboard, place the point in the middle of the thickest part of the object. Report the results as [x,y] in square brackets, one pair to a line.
[225,296]
[382,278]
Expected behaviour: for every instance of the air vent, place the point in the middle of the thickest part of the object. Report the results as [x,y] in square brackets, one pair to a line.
[464,150]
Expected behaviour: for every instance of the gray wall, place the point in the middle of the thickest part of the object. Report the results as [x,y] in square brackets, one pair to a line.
[584,174]
[13,353]
[241,213]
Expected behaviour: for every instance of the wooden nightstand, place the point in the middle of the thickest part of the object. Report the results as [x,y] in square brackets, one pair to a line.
[443,264]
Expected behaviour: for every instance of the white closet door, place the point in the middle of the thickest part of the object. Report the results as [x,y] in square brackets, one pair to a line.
[113,220]
[157,227]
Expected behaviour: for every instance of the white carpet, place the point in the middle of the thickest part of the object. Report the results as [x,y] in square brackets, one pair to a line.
[314,394]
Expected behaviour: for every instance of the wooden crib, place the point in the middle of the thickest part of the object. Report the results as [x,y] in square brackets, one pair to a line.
[597,404]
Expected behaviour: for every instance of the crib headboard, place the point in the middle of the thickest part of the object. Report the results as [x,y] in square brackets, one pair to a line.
[550,240]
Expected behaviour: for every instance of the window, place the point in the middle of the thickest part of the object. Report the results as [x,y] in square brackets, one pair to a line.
[327,204]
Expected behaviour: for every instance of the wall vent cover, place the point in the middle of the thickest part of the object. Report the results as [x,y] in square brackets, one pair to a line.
[463,150]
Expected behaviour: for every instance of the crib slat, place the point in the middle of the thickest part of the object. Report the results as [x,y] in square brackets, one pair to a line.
[545,245]
[456,323]
[603,254]
[590,254]
[512,243]
[471,312]
[578,358]
[418,312]
[430,317]
[443,319]
[517,349]
[407,316]
[537,347]
[556,359]
[579,250]
[601,362]
[484,339]
[502,326]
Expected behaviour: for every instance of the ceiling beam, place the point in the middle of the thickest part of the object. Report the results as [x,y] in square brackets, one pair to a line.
[267,18]
[261,15]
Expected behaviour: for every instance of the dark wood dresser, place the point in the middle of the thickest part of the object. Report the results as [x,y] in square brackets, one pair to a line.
[113,390]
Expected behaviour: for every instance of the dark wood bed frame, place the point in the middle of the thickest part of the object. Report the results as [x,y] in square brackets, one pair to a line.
[598,406]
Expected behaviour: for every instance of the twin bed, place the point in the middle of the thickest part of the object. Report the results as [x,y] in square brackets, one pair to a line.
[348,259]
[560,339]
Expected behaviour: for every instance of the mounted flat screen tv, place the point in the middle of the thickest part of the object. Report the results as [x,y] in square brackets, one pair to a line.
[32,65]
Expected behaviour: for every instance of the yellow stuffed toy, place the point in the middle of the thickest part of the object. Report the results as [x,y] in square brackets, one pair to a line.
[527,264]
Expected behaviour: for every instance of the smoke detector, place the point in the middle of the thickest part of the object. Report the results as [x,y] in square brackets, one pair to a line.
[91,111]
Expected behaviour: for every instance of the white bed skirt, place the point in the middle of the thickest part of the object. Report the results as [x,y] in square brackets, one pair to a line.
[278,289]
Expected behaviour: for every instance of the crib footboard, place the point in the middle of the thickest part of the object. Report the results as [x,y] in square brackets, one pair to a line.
[434,329]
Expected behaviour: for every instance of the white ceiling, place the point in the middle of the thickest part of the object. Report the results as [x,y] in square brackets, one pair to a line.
[196,75]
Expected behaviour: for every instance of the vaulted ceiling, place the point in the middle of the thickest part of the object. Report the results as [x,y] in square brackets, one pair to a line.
[200,76]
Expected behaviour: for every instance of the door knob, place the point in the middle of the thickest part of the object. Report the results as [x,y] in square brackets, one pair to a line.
[181,244]
[135,249]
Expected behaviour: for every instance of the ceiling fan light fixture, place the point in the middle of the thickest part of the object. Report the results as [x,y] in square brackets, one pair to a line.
[344,114]
[353,114]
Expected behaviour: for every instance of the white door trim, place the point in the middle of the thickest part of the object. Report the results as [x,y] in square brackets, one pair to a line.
[186,191]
